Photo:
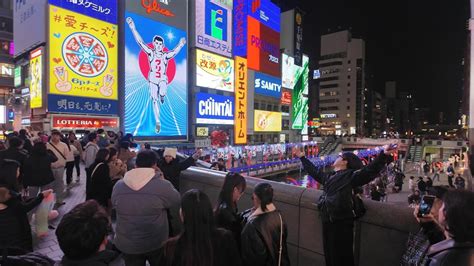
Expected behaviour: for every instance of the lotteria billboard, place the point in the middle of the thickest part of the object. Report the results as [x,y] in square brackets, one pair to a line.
[267,85]
[84,122]
[214,26]
[214,71]
[214,109]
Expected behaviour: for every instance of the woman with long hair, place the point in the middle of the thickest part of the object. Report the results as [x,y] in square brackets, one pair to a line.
[116,166]
[200,243]
[265,233]
[100,185]
[226,211]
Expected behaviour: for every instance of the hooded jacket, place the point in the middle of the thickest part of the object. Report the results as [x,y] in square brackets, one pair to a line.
[140,200]
[335,204]
[103,258]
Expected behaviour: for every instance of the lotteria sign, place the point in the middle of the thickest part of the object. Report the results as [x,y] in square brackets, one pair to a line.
[84,122]
[214,109]
[267,85]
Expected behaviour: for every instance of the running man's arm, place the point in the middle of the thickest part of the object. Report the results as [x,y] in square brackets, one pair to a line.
[176,50]
[137,36]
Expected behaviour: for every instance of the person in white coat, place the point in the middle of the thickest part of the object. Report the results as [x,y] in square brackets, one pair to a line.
[61,151]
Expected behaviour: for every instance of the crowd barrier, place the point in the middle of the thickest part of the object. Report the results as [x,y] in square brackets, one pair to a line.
[380,236]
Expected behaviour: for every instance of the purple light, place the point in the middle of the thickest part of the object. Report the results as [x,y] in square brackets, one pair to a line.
[12,48]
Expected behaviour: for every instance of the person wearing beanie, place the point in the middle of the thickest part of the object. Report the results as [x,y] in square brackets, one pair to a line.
[172,167]
[336,204]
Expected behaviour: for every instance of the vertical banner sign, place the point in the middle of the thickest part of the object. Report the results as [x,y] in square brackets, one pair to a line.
[299,101]
[298,37]
[214,26]
[240,127]
[36,77]
[83,57]
[17,81]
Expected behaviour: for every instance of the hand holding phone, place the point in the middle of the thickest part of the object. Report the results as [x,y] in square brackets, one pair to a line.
[425,205]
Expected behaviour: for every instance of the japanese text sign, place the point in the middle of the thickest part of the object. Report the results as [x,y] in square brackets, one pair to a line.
[80,105]
[241,76]
[214,26]
[99,9]
[214,71]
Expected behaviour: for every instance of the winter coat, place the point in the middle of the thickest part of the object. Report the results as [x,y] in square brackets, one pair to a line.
[336,202]
[449,252]
[229,219]
[90,151]
[172,170]
[37,170]
[100,185]
[103,258]
[261,239]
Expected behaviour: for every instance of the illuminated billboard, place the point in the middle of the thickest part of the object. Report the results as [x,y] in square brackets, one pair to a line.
[262,11]
[171,12]
[84,122]
[263,48]
[291,73]
[299,116]
[82,61]
[214,71]
[36,78]
[214,26]
[3,110]
[156,91]
[214,109]
[17,81]
[267,85]
[286,97]
[99,9]
[241,91]
[266,121]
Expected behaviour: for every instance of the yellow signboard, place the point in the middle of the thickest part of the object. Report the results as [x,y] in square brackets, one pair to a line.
[202,131]
[36,77]
[241,91]
[83,55]
[266,121]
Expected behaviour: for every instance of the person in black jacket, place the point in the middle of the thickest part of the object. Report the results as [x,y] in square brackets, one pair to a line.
[26,141]
[336,206]
[15,230]
[172,167]
[200,243]
[226,208]
[14,153]
[100,187]
[37,170]
[265,233]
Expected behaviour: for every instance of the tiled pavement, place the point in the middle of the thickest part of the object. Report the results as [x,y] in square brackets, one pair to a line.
[49,244]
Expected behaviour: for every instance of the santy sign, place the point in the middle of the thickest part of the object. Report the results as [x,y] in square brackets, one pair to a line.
[85,122]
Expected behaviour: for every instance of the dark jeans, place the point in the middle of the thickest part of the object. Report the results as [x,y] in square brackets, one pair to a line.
[77,164]
[69,170]
[450,180]
[152,257]
[338,241]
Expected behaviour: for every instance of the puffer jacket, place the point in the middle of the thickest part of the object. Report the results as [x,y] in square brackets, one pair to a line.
[450,252]
[336,202]
[261,240]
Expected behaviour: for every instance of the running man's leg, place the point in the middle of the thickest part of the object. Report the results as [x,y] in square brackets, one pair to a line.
[154,91]
[163,88]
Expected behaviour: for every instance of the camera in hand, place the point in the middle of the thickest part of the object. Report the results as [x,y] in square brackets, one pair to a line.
[425,205]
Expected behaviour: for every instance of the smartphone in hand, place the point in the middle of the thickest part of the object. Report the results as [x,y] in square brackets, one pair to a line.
[425,205]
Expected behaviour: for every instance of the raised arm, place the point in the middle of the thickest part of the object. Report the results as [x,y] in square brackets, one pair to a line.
[137,36]
[371,171]
[312,170]
[176,50]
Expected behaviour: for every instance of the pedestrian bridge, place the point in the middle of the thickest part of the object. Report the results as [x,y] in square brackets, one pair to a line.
[380,236]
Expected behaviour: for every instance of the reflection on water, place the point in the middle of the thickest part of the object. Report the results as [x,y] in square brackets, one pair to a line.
[296,179]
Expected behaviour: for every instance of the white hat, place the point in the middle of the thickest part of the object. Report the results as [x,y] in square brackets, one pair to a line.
[170,152]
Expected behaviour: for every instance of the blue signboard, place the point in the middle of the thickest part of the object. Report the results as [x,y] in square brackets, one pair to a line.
[264,11]
[80,105]
[267,85]
[105,10]
[214,109]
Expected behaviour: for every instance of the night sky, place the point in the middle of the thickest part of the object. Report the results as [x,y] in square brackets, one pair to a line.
[418,44]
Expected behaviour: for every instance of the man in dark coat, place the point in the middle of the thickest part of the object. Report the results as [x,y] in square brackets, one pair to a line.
[172,167]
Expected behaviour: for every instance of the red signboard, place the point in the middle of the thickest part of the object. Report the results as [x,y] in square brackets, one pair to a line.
[263,48]
[286,97]
[84,122]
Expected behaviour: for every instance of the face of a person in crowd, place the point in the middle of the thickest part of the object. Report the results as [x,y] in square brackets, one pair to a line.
[237,193]
[72,136]
[168,158]
[340,163]
[256,201]
[55,138]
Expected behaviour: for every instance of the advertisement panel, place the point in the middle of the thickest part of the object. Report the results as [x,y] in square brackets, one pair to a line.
[241,100]
[263,48]
[17,81]
[28,15]
[214,26]
[214,109]
[263,11]
[81,105]
[202,131]
[36,78]
[298,38]
[99,9]
[267,85]
[286,97]
[84,59]
[291,73]
[3,115]
[266,121]
[156,91]
[7,70]
[214,71]
[84,122]
[299,116]
[171,12]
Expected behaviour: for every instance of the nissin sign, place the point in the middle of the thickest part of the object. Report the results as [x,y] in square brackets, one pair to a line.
[214,109]
[267,85]
[264,11]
